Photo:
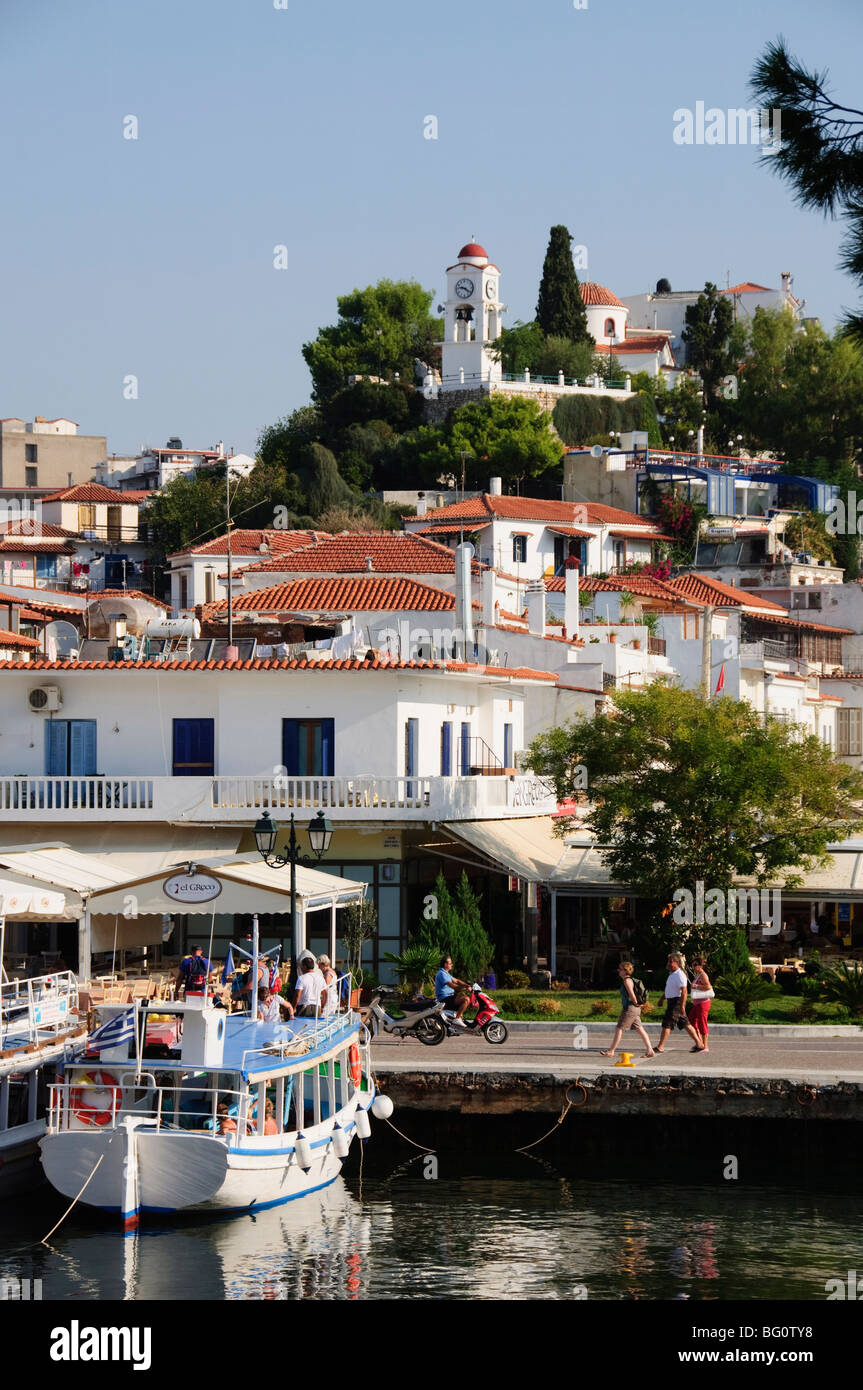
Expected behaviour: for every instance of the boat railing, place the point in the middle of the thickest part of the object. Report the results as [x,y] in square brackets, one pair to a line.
[73,1104]
[325,1025]
[34,1008]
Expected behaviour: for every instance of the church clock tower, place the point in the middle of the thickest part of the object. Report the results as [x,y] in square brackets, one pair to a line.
[472,321]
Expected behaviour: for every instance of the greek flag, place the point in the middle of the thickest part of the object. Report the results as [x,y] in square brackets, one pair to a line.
[229,966]
[119,1029]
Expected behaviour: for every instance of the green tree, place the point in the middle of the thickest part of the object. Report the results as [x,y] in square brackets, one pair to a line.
[683,790]
[821,149]
[712,341]
[381,330]
[518,348]
[560,310]
[561,355]
[506,435]
[457,930]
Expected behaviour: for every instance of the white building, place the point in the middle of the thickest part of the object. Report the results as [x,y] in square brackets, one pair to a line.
[199,574]
[664,310]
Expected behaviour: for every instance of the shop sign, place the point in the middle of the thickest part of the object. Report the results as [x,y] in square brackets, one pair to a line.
[191,888]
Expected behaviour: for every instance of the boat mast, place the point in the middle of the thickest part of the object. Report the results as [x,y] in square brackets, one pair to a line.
[255,944]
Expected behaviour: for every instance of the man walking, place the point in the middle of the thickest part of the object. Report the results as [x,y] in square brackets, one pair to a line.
[675,1003]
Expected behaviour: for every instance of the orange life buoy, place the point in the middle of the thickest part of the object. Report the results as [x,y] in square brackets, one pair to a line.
[354,1061]
[95,1108]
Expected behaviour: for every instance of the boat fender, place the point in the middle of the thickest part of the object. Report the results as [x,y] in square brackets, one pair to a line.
[340,1142]
[96,1098]
[303,1152]
[354,1063]
[382,1107]
[364,1124]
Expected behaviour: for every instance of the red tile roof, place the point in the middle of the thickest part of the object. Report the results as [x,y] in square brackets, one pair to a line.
[87,492]
[391,552]
[649,343]
[592,293]
[789,621]
[336,596]
[639,585]
[35,529]
[293,664]
[701,588]
[491,506]
[747,287]
[128,593]
[17,639]
[245,541]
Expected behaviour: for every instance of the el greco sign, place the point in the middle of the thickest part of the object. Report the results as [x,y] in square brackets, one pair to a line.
[191,888]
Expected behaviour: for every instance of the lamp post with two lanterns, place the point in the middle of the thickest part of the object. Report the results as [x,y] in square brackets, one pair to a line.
[320,832]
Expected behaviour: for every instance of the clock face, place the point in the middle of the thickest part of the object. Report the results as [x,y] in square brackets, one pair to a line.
[464,288]
[491,289]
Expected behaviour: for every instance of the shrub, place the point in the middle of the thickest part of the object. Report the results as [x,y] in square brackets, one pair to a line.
[516,979]
[601,1006]
[804,1012]
[743,988]
[548,1007]
[520,1004]
[843,984]
[457,930]
[560,986]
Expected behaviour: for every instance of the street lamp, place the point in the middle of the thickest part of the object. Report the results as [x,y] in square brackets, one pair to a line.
[320,832]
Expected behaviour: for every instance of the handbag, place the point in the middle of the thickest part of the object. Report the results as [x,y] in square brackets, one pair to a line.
[697,994]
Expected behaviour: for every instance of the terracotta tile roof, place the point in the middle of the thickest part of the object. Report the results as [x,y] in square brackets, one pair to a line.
[446,528]
[396,552]
[128,593]
[87,492]
[336,596]
[294,664]
[491,506]
[701,588]
[571,531]
[592,293]
[17,639]
[654,342]
[788,621]
[640,585]
[246,541]
[14,544]
[138,494]
[747,287]
[35,530]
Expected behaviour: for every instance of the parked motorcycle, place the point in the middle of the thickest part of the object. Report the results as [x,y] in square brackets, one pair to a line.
[426,1023]
[493,1029]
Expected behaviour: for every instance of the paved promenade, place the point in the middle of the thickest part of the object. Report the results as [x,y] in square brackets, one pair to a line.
[781,1056]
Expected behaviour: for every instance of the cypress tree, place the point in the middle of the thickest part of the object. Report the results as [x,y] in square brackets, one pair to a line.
[559,310]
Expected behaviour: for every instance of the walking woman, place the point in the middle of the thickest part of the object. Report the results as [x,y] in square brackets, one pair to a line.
[631,1014]
[701,995]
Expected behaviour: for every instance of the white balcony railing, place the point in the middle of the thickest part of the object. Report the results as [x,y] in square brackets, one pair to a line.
[241,800]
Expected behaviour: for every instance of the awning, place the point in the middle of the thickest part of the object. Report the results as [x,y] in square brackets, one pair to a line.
[528,848]
[20,902]
[242,885]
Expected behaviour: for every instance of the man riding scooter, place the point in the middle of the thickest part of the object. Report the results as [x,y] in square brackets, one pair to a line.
[447,994]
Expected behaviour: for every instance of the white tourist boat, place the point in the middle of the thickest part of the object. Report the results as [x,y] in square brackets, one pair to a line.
[39,1032]
[191,1131]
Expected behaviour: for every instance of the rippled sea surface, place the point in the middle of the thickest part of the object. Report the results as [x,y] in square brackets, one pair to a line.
[531,1232]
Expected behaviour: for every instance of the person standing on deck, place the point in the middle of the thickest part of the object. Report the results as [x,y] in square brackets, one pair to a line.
[311,993]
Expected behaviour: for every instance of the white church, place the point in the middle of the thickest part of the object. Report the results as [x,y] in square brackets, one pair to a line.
[473,319]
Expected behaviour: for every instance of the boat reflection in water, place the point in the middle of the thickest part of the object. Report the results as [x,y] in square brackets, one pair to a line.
[314,1247]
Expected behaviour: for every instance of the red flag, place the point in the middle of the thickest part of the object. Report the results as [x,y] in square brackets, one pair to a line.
[720,684]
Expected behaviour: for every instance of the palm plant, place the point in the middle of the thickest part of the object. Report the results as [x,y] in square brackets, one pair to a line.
[416,964]
[743,988]
[843,985]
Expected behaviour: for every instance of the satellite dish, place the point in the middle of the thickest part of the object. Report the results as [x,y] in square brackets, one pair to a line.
[597,451]
[65,637]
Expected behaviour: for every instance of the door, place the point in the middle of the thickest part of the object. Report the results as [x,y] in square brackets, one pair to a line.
[507,745]
[308,747]
[194,747]
[465,750]
[70,748]
[446,750]
[411,728]
[115,523]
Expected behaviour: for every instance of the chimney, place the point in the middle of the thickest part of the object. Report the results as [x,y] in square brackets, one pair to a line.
[489,581]
[422,504]
[464,553]
[370,565]
[571,616]
[535,597]
[495,486]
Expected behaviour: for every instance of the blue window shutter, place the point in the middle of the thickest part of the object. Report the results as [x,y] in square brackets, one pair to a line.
[290,746]
[82,747]
[328,748]
[56,747]
[410,747]
[465,750]
[507,745]
[194,747]
[446,750]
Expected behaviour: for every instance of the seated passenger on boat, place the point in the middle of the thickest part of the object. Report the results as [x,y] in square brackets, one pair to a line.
[270,1007]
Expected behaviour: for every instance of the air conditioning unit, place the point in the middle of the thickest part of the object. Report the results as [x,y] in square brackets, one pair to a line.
[45,699]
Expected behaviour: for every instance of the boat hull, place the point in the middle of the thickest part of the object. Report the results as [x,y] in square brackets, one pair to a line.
[19,1159]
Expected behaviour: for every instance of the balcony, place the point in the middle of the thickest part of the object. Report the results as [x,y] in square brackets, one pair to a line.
[241,800]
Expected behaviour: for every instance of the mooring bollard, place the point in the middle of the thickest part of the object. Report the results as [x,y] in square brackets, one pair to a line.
[626,1060]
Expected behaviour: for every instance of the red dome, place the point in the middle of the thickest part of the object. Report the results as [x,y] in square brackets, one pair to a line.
[473,248]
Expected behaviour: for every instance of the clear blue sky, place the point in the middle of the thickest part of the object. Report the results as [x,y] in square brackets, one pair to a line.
[304,127]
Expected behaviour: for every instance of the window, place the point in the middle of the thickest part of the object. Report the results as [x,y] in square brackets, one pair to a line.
[411,732]
[519,550]
[31,477]
[308,747]
[609,330]
[507,745]
[30,453]
[849,733]
[184,591]
[194,744]
[115,523]
[209,586]
[70,747]
[465,750]
[446,750]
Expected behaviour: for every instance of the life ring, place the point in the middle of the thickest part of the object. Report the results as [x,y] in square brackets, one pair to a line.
[91,1110]
[354,1063]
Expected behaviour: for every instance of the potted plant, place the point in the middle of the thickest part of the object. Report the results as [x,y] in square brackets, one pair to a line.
[359,924]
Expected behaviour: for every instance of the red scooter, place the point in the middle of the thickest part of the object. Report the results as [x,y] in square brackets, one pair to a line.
[493,1029]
